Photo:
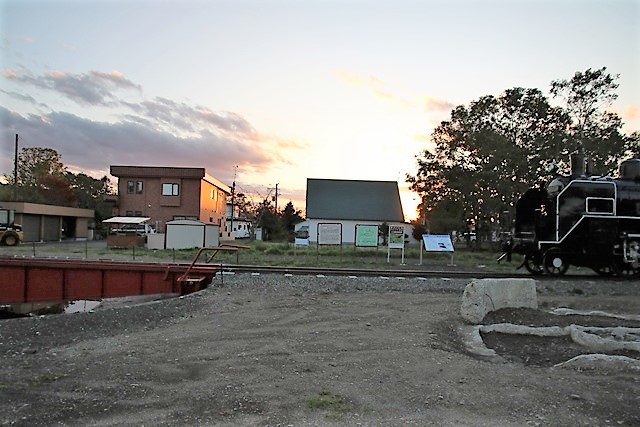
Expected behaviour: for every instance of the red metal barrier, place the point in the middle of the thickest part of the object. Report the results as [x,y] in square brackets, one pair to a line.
[28,280]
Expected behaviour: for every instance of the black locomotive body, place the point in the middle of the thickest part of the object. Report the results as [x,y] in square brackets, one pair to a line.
[581,220]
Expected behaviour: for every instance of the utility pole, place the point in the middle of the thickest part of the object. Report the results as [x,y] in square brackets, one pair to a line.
[233,195]
[15,173]
[276,199]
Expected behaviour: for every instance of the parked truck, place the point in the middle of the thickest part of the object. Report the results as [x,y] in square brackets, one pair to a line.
[10,233]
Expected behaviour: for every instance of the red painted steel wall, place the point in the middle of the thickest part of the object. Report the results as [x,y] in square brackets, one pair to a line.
[29,280]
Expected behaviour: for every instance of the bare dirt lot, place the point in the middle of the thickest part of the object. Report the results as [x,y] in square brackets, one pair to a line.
[278,350]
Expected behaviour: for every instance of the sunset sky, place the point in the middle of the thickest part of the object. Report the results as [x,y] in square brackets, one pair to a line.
[286,89]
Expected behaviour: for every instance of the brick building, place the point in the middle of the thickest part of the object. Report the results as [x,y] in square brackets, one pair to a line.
[170,193]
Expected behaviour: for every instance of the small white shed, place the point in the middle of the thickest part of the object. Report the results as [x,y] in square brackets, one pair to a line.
[186,234]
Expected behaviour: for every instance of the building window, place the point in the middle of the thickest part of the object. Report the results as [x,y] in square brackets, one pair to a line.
[139,187]
[170,189]
[130,187]
[129,213]
[138,213]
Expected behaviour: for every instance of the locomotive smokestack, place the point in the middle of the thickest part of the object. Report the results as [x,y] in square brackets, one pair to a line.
[590,168]
[578,162]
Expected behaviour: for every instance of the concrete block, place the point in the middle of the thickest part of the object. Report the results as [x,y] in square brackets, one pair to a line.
[482,296]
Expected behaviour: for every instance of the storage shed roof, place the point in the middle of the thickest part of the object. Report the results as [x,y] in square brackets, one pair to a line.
[127,220]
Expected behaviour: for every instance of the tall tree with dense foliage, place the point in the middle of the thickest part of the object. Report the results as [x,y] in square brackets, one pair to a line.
[290,217]
[277,225]
[90,193]
[587,95]
[488,153]
[36,167]
[55,190]
[43,178]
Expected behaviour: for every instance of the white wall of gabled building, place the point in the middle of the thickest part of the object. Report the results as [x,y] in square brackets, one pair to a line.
[349,229]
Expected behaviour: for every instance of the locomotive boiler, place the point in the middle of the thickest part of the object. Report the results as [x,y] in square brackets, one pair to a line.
[581,220]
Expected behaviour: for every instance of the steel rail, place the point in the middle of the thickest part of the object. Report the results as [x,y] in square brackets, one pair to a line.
[409,273]
[365,272]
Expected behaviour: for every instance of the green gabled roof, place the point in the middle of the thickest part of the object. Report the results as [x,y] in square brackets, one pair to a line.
[353,200]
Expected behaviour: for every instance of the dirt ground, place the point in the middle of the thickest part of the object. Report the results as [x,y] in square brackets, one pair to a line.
[280,351]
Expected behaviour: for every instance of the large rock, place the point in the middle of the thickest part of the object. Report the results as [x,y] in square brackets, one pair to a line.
[482,296]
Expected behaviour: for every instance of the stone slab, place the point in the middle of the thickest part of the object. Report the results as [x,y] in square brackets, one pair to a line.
[482,296]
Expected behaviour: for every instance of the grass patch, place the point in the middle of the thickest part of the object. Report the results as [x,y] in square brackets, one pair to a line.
[334,404]
[48,378]
[279,254]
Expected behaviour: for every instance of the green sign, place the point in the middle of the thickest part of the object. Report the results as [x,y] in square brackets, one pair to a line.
[366,235]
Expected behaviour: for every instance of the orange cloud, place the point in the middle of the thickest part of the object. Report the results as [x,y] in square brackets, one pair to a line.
[380,90]
[355,80]
[435,104]
[632,112]
[9,73]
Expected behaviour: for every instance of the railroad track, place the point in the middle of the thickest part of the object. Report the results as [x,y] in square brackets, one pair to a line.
[403,273]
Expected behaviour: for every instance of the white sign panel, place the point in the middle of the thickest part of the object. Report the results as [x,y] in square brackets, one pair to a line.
[396,236]
[437,243]
[329,234]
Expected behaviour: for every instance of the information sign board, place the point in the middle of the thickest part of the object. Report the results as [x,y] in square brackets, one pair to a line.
[437,243]
[396,236]
[329,234]
[366,235]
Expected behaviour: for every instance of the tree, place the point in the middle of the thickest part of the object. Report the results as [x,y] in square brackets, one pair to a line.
[90,193]
[268,221]
[243,205]
[277,225]
[34,165]
[419,230]
[634,150]
[55,190]
[289,218]
[488,153]
[42,178]
[383,233]
[587,95]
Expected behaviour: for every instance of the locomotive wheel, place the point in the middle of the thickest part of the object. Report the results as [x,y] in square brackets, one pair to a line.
[604,270]
[533,265]
[622,269]
[555,262]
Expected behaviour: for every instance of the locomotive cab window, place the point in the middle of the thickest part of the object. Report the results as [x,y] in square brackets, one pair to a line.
[598,205]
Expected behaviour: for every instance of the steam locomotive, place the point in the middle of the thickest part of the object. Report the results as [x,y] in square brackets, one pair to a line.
[581,220]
